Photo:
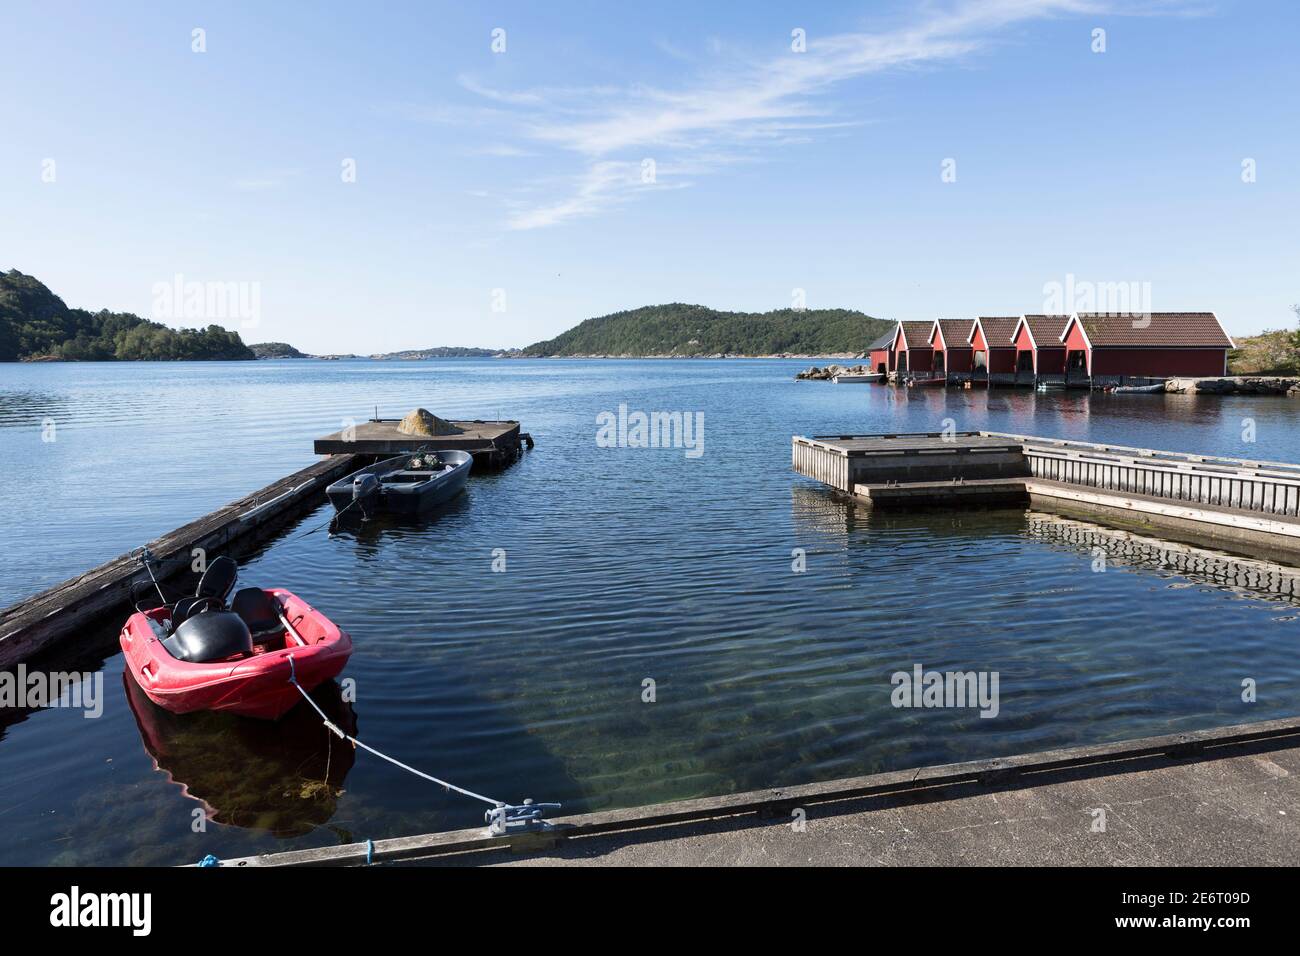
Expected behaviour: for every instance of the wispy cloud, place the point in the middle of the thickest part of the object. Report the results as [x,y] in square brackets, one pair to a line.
[739,107]
[599,186]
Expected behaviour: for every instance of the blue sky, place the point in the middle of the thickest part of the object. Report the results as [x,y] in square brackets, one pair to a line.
[773,170]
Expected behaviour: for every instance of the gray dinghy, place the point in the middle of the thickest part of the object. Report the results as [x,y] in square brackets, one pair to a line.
[407,484]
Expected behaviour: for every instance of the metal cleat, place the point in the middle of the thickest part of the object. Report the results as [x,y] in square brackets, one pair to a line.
[506,818]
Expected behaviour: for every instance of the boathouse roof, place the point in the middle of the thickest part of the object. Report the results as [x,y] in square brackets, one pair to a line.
[955,331]
[886,341]
[1154,330]
[1046,330]
[998,329]
[916,333]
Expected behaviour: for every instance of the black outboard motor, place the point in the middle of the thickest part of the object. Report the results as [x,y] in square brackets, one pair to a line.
[365,488]
[210,636]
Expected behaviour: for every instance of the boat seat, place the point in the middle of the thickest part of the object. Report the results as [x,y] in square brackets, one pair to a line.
[259,611]
[218,580]
[212,593]
[186,608]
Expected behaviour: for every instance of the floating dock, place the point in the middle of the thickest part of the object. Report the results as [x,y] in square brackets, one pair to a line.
[1256,503]
[492,444]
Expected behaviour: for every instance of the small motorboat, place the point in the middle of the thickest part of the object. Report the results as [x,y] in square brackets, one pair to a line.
[202,653]
[406,484]
[857,379]
[1157,389]
[1050,386]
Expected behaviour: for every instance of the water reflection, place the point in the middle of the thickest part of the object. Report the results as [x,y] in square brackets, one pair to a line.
[1127,550]
[283,777]
[369,533]
[822,515]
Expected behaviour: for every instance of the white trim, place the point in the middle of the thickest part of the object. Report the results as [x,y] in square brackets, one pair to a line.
[1025,322]
[1074,317]
[970,339]
[936,328]
[1231,343]
[1033,345]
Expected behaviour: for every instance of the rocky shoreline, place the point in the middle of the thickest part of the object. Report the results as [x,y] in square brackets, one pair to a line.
[1236,385]
[817,374]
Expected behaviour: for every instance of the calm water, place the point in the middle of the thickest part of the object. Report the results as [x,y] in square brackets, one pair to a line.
[621,565]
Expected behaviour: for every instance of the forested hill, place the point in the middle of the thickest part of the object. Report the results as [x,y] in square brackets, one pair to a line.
[35,325]
[694,330]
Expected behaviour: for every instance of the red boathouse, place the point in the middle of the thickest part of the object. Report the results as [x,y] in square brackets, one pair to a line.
[952,353]
[1113,347]
[880,353]
[1039,349]
[912,350]
[993,351]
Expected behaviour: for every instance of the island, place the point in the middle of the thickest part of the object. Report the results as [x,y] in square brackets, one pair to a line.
[37,326]
[679,330]
[277,350]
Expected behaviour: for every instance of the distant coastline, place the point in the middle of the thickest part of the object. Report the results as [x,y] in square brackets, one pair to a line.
[514,355]
[37,326]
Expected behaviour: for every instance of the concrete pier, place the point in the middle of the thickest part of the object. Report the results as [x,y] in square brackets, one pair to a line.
[1237,811]
[1224,796]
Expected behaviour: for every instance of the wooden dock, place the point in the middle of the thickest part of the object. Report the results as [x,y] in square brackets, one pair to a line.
[1249,502]
[47,620]
[492,444]
[62,612]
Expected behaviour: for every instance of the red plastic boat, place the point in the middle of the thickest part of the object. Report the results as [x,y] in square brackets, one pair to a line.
[200,654]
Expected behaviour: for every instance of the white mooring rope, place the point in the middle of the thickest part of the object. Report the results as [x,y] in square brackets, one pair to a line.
[335,728]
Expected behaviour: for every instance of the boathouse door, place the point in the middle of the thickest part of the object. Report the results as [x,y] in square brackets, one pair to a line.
[1076,366]
[1024,366]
